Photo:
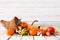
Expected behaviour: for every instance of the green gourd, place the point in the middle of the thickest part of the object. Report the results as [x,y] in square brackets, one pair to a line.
[24,31]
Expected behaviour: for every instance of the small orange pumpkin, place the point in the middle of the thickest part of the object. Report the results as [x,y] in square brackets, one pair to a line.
[23,24]
[10,31]
[43,31]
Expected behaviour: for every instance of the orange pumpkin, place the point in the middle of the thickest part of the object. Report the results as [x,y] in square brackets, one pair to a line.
[10,31]
[23,24]
[33,30]
[43,31]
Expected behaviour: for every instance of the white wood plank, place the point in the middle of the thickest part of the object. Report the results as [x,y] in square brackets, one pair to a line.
[3,36]
[15,37]
[38,37]
[27,38]
[51,38]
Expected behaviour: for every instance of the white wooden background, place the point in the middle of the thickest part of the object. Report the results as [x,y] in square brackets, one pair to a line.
[42,9]
[28,10]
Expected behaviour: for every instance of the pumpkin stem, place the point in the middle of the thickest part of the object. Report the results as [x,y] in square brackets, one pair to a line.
[34,22]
